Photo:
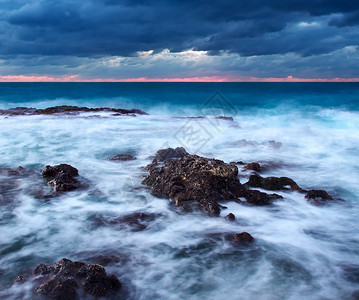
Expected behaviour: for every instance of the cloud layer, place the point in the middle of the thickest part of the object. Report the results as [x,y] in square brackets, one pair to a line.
[164,39]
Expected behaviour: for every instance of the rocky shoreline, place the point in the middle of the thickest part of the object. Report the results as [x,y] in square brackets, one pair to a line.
[191,182]
[68,110]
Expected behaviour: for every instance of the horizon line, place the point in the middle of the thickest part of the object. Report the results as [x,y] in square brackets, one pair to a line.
[204,79]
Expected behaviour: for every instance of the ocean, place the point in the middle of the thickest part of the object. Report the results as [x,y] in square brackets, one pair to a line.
[306,131]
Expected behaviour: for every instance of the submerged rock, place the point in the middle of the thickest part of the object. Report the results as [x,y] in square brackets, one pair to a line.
[63,279]
[137,221]
[122,157]
[253,166]
[230,217]
[243,237]
[66,109]
[61,177]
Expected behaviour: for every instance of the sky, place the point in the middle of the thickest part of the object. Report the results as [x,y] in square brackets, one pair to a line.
[184,40]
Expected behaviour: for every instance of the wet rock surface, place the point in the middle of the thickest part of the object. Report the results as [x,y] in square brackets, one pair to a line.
[259,198]
[230,217]
[243,237]
[169,153]
[65,278]
[61,177]
[68,110]
[122,157]
[195,182]
[192,180]
[273,183]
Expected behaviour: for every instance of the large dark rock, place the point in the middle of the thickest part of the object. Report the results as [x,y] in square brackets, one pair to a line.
[192,178]
[66,109]
[63,279]
[273,183]
[61,177]
[188,178]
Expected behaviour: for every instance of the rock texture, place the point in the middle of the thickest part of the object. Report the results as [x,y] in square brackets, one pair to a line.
[188,178]
[122,157]
[65,278]
[243,237]
[61,177]
[273,183]
[67,110]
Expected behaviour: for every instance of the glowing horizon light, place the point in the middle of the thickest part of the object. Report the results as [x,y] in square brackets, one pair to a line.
[77,78]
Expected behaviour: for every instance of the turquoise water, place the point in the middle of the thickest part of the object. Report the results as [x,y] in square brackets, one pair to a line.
[309,132]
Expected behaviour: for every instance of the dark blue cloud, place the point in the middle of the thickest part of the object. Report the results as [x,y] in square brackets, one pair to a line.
[102,28]
[110,27]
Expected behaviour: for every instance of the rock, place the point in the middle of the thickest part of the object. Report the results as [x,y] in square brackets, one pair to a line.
[230,217]
[61,177]
[224,118]
[135,222]
[122,157]
[169,153]
[66,109]
[318,194]
[259,198]
[273,183]
[253,166]
[243,237]
[20,279]
[65,277]
[192,178]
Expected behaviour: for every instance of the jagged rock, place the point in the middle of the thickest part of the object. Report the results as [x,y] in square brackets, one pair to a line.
[243,237]
[230,217]
[61,177]
[169,153]
[122,157]
[259,198]
[321,194]
[66,109]
[65,277]
[318,197]
[273,183]
[192,180]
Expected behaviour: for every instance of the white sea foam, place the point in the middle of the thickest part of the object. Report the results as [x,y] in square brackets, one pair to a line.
[301,251]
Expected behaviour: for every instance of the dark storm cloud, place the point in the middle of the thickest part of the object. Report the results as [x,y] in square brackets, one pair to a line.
[109,27]
[104,38]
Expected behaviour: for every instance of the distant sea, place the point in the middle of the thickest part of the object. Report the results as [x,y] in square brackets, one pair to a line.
[306,131]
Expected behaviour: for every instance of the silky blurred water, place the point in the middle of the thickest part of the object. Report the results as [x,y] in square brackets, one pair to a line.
[306,132]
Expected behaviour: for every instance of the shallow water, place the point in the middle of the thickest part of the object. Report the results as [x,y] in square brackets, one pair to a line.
[300,251]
